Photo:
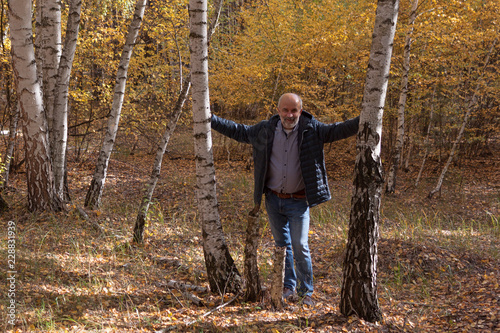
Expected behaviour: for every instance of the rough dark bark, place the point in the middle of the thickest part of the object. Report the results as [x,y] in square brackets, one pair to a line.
[359,288]
[277,276]
[253,286]
[3,204]
[10,147]
[223,276]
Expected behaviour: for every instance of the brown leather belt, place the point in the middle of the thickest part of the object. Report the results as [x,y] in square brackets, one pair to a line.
[299,194]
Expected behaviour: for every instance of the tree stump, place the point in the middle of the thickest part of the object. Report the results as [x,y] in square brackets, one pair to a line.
[4,206]
[253,286]
[277,277]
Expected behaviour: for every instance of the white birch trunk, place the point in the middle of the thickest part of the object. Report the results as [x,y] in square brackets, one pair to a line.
[426,141]
[410,141]
[221,271]
[472,103]
[359,286]
[40,179]
[93,198]
[155,173]
[49,21]
[391,179]
[60,111]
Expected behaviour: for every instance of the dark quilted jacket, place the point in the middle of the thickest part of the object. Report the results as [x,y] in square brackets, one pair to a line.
[313,134]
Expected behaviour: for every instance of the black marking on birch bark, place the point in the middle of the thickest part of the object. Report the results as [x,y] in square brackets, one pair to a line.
[207,197]
[388,21]
[200,136]
[195,35]
[210,165]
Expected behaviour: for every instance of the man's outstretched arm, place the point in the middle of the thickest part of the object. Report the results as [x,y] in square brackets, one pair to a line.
[231,129]
[338,131]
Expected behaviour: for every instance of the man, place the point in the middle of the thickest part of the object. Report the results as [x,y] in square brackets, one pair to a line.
[289,169]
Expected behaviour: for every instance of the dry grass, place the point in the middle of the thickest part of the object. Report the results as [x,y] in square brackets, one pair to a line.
[439,262]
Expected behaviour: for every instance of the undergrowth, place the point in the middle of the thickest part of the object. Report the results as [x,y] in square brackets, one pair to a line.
[81,275]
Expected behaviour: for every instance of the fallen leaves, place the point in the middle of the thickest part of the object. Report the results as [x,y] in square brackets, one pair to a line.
[76,278]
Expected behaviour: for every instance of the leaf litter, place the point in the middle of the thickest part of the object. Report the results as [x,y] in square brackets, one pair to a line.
[76,278]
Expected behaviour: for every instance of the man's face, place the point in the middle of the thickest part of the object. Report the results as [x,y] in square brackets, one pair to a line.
[289,110]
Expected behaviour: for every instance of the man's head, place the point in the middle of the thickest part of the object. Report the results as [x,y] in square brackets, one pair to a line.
[289,110]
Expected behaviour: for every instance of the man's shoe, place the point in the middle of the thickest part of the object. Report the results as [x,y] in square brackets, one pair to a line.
[287,293]
[307,300]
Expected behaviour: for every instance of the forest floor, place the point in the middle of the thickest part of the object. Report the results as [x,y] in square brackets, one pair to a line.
[438,268]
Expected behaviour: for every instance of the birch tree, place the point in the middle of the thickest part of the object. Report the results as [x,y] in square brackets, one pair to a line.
[359,285]
[427,137]
[160,152]
[396,155]
[222,273]
[60,103]
[470,106]
[49,48]
[162,147]
[94,193]
[40,178]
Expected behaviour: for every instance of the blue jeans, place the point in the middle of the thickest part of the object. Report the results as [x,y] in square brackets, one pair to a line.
[289,222]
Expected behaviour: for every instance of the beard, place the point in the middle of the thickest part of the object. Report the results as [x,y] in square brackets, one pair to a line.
[289,122]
